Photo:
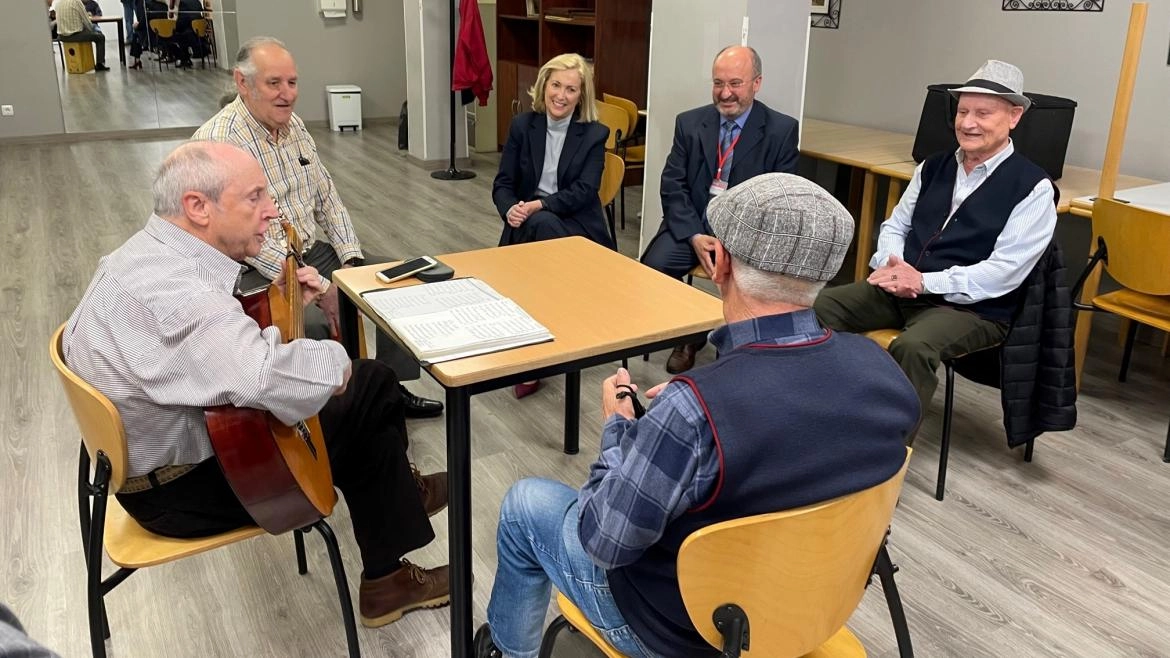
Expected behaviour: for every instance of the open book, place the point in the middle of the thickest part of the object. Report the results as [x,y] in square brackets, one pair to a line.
[455,319]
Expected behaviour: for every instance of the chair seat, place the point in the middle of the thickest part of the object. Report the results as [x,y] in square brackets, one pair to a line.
[132,546]
[579,622]
[843,644]
[883,337]
[699,272]
[1150,310]
[635,155]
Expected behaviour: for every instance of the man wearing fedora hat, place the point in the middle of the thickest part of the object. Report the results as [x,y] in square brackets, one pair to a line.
[964,237]
[770,425]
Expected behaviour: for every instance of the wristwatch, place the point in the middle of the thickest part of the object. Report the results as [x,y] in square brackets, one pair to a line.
[356,261]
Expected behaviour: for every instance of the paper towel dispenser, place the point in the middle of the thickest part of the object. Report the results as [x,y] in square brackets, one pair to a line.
[333,8]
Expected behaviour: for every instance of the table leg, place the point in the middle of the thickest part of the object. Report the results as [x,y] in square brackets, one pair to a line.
[347,315]
[122,43]
[865,219]
[572,412]
[893,197]
[459,519]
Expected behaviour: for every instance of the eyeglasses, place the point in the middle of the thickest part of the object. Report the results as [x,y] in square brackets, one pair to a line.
[734,85]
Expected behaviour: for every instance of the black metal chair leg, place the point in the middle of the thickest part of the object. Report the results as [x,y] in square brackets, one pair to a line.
[622,196]
[98,625]
[885,569]
[944,446]
[550,636]
[1166,450]
[1028,450]
[1130,335]
[351,636]
[299,543]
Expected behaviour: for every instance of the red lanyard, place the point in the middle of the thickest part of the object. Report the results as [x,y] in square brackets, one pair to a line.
[723,156]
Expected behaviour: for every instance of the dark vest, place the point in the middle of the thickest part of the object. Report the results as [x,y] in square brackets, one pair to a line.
[793,425]
[971,234]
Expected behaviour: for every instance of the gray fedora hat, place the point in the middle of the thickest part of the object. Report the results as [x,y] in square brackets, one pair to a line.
[998,79]
[783,223]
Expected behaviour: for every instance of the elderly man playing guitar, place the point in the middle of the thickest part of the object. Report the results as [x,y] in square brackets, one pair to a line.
[160,333]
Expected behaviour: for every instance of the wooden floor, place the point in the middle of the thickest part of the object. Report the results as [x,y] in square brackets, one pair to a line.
[125,99]
[1066,556]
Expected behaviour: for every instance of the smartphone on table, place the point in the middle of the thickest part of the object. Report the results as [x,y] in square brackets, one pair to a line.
[408,268]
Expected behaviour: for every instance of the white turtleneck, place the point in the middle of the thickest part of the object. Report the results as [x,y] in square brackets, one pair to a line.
[554,141]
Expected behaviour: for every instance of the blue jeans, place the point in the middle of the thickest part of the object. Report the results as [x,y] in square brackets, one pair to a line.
[538,546]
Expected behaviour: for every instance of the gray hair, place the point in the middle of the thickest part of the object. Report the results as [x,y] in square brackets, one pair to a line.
[757,63]
[773,286]
[244,63]
[189,168]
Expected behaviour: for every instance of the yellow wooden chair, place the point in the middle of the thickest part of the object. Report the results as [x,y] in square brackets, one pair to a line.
[203,30]
[781,585]
[129,545]
[614,118]
[1134,246]
[611,180]
[163,30]
[633,154]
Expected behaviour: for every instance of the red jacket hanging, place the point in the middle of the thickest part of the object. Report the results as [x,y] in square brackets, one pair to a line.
[472,70]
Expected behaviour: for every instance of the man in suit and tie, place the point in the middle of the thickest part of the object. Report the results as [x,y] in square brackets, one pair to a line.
[716,147]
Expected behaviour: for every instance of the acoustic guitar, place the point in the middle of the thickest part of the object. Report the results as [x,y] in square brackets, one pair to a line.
[280,473]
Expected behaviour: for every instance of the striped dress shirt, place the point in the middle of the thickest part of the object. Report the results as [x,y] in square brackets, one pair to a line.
[1019,247]
[159,333]
[72,18]
[297,181]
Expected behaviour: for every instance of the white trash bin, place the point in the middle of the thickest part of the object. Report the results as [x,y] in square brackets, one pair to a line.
[345,107]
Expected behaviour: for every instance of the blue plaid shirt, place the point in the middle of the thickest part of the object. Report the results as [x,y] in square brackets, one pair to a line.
[653,469]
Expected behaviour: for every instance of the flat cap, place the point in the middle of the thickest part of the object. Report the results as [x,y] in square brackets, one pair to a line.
[783,223]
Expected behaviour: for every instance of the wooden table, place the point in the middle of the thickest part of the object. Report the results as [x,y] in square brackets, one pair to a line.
[862,149]
[119,20]
[600,306]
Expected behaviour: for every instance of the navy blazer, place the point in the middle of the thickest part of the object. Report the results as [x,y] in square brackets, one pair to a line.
[578,174]
[767,143]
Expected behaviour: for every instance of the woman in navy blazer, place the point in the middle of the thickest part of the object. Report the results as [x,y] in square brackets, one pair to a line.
[550,169]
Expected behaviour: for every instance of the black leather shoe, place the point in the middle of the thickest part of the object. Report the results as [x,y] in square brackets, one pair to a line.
[483,645]
[417,407]
[682,358]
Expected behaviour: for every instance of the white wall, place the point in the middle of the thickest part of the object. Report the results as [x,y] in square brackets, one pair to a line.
[685,36]
[873,71]
[28,79]
[428,81]
[364,50]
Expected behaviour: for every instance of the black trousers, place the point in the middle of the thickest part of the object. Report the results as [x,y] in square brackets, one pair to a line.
[669,256]
[365,435]
[323,257]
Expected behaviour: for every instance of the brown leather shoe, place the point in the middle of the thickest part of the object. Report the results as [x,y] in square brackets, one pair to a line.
[384,600]
[682,358]
[432,489]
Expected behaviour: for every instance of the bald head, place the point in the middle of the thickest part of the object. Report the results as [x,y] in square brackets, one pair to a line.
[218,193]
[735,79]
[266,79]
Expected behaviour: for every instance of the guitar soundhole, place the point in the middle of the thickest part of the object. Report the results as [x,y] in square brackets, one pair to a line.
[303,432]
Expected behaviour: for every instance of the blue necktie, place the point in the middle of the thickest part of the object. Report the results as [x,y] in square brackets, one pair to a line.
[729,129]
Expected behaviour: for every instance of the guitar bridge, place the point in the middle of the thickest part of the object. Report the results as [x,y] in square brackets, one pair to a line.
[303,431]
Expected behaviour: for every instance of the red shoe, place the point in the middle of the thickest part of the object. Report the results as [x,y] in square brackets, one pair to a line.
[525,389]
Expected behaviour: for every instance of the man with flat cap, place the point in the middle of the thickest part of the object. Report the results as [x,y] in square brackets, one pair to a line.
[771,425]
[951,258]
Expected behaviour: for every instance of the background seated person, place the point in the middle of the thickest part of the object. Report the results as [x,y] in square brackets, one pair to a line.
[967,232]
[790,414]
[159,333]
[550,170]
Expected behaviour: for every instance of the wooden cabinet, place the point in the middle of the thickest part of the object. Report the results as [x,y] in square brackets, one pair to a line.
[614,34]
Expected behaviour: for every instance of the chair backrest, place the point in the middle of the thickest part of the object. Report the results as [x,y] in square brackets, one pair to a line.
[97,417]
[163,27]
[199,25]
[1138,244]
[616,120]
[611,178]
[626,104]
[797,574]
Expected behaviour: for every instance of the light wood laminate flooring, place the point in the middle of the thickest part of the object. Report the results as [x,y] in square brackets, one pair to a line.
[1066,556]
[126,99]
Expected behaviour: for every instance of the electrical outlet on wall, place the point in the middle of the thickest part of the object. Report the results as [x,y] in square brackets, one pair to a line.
[6,110]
